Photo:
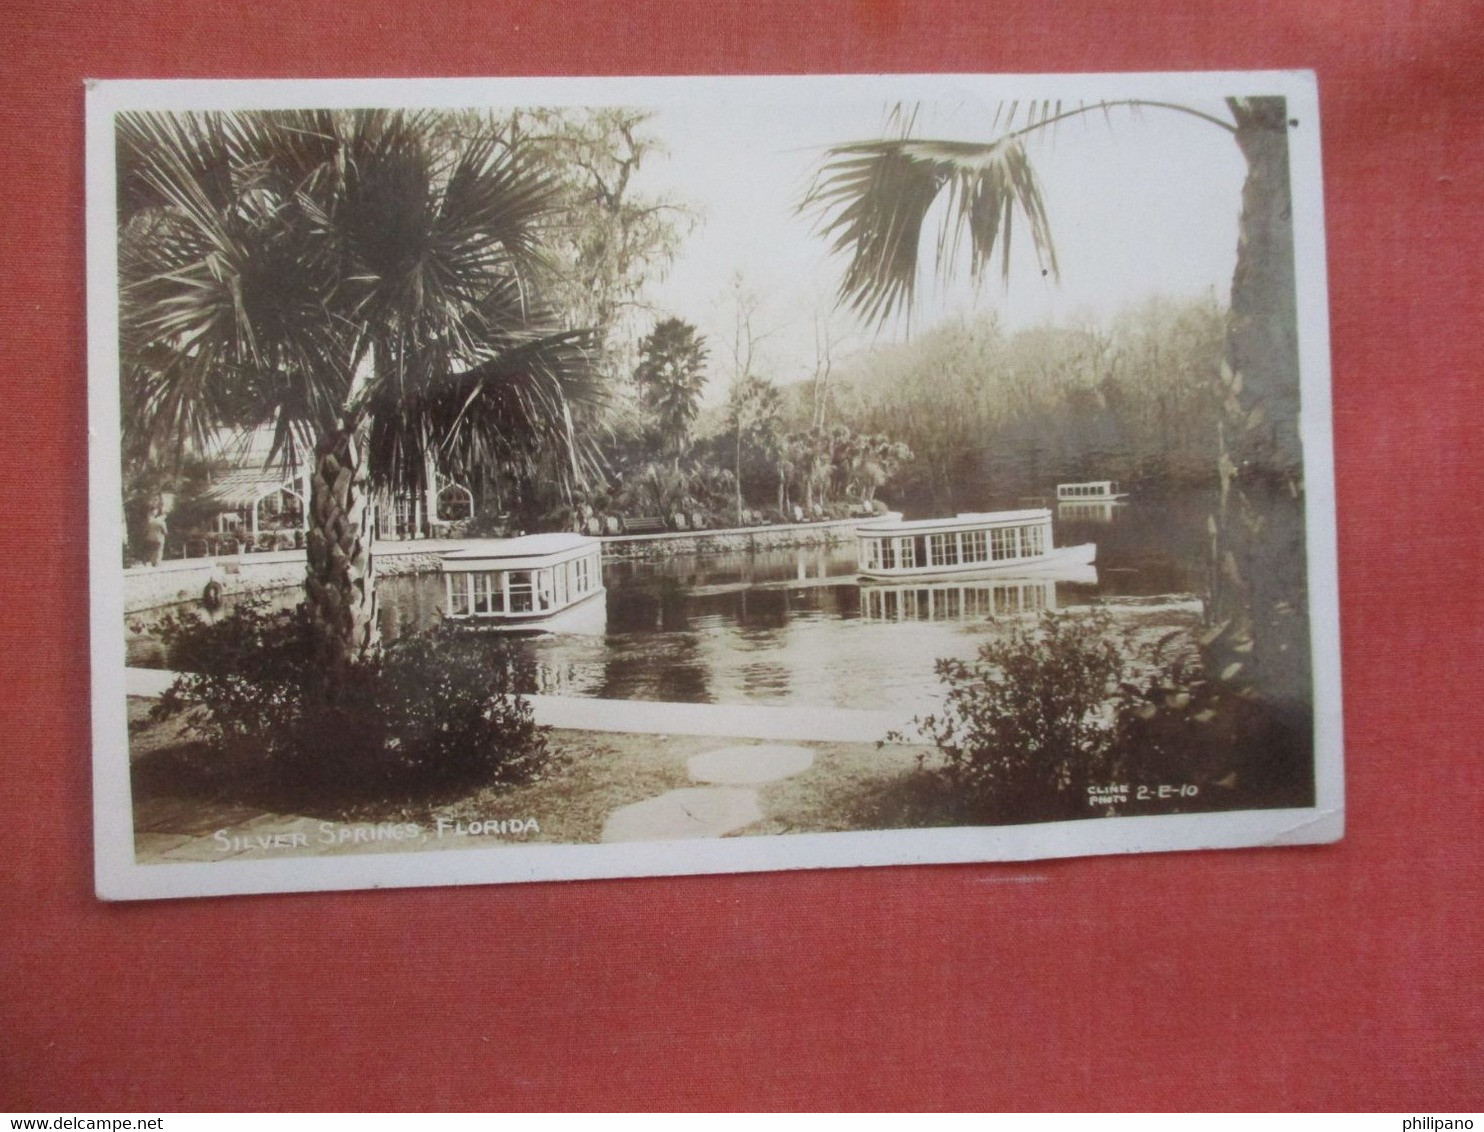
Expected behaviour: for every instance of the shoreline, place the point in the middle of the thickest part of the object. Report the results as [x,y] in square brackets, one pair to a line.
[661,717]
[180,581]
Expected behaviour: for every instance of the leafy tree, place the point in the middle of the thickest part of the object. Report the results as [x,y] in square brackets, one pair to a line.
[614,239]
[875,460]
[874,198]
[989,416]
[364,283]
[671,377]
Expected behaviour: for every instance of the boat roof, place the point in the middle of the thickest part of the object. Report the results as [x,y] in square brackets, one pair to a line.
[966,520]
[551,545]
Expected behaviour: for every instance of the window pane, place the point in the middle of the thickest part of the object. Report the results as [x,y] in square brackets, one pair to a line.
[521,597]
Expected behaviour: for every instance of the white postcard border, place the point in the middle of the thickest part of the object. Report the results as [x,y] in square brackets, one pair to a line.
[119,878]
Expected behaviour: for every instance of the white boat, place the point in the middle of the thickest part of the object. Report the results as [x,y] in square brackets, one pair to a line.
[551,582]
[1099,491]
[967,544]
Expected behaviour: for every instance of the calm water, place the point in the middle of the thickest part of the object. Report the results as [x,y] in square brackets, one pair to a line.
[796,627]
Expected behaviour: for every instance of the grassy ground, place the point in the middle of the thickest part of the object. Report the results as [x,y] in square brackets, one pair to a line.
[850,786]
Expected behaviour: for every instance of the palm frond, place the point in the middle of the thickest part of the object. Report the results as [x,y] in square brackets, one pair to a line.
[513,410]
[873,199]
[298,269]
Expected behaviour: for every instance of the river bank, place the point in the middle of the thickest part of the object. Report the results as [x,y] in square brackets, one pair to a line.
[184,580]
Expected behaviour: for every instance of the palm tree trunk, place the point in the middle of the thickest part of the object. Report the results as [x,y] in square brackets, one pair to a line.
[1259,594]
[341,579]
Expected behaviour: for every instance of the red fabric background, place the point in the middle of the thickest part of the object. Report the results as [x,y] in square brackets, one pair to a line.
[1345,976]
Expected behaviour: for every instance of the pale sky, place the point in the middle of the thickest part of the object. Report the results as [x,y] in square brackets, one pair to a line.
[1143,205]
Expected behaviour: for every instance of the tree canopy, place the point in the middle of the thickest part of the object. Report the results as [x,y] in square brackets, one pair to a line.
[306,269]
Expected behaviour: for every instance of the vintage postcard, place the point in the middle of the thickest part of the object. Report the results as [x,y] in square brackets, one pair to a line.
[506,480]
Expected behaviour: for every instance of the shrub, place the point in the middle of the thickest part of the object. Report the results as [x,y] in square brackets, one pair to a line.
[428,714]
[1058,707]
[1026,726]
[241,677]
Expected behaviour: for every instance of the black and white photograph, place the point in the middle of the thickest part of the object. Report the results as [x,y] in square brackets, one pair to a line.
[503,480]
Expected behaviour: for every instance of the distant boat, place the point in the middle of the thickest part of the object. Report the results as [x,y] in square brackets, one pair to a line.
[1090,492]
[550,582]
[967,544]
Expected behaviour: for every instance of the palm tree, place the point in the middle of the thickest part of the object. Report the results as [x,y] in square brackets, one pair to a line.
[672,376]
[874,197]
[360,282]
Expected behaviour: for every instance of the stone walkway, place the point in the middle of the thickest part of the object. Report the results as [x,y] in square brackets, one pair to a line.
[728,803]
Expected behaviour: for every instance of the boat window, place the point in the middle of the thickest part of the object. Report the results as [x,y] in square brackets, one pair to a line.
[458,595]
[943,550]
[907,553]
[487,597]
[1002,543]
[1032,541]
[520,591]
[544,588]
[975,547]
[888,553]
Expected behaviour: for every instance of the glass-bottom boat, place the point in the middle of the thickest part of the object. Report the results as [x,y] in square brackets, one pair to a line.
[551,582]
[967,544]
[1101,491]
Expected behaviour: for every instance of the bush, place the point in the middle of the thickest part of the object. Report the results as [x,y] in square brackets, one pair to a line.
[429,714]
[1059,707]
[1025,727]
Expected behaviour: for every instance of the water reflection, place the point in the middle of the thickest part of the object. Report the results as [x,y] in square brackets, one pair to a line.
[960,601]
[796,626]
[1089,511]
